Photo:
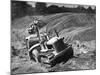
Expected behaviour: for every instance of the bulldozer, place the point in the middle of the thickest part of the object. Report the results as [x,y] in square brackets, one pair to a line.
[43,49]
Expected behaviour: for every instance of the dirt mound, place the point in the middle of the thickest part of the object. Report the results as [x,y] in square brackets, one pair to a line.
[72,20]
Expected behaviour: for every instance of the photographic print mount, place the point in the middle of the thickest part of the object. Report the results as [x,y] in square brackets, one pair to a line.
[52,37]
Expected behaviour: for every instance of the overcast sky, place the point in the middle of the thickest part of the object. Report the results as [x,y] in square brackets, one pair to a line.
[59,4]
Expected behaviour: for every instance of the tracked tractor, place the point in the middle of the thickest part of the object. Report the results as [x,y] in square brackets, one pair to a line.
[52,51]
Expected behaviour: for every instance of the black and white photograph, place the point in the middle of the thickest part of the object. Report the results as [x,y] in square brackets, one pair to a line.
[52,37]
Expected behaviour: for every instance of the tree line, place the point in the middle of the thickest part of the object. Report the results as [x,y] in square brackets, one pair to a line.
[21,8]
[43,9]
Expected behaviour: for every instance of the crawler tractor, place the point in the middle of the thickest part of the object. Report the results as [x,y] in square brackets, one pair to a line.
[43,49]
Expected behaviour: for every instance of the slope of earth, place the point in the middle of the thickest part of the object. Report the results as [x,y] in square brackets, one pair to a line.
[77,29]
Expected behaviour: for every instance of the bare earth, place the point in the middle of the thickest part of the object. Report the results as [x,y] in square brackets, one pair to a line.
[78,28]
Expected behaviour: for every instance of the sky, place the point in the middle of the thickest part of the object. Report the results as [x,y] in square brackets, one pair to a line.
[59,4]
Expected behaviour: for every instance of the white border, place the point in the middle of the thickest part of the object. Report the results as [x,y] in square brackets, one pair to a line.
[5,36]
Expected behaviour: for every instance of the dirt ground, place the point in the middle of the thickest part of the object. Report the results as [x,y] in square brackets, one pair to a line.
[78,28]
